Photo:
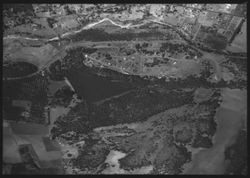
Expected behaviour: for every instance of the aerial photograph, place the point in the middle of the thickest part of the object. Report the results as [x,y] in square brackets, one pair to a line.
[158,89]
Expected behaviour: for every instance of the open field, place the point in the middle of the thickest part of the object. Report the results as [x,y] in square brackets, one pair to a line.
[229,119]
[124,89]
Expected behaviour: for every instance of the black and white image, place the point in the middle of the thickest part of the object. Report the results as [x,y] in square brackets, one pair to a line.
[124,89]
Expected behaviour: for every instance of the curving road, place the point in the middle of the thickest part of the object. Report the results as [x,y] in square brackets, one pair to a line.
[53,59]
[127,26]
[70,33]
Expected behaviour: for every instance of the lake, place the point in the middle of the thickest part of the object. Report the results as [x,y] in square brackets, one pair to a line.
[93,87]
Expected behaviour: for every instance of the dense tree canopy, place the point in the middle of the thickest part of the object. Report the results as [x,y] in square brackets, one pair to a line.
[216,41]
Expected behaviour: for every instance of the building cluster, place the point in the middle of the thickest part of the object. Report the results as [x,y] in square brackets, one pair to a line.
[195,20]
[199,20]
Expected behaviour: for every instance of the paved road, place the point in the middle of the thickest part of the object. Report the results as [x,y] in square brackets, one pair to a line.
[72,32]
[54,58]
